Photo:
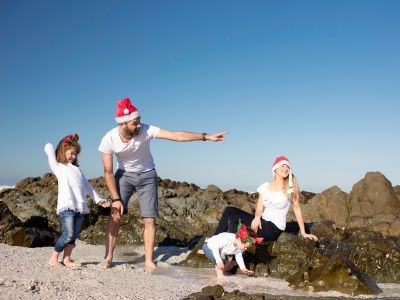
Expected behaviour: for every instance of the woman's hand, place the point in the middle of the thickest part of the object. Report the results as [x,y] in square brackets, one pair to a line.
[309,236]
[104,203]
[255,224]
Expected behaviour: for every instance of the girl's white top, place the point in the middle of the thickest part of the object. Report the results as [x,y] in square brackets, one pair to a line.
[223,244]
[72,185]
[276,206]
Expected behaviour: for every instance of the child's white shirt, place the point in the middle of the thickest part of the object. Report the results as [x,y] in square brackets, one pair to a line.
[223,244]
[72,185]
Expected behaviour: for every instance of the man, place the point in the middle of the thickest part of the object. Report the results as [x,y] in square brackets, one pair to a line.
[130,142]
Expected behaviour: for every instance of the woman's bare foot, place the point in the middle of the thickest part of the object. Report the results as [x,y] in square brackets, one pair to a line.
[106,263]
[150,266]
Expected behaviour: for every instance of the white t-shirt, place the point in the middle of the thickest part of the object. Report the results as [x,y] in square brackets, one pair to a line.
[72,185]
[134,156]
[276,206]
[223,244]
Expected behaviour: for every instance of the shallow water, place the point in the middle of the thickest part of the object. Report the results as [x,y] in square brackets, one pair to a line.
[168,257]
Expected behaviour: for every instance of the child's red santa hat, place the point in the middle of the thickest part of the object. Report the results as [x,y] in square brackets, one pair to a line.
[125,111]
[279,161]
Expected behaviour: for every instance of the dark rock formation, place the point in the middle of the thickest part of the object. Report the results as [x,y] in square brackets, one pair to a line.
[358,232]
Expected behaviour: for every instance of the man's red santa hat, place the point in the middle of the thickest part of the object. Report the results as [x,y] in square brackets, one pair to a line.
[125,111]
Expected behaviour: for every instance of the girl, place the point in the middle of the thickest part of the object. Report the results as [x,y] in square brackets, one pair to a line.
[227,244]
[72,190]
[275,198]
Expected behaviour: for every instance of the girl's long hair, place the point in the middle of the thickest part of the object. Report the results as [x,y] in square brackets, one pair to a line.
[62,147]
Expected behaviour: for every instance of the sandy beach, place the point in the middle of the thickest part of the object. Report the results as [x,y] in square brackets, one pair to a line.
[24,274]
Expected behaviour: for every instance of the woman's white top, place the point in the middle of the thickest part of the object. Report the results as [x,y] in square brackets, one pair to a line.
[276,206]
[72,185]
[223,244]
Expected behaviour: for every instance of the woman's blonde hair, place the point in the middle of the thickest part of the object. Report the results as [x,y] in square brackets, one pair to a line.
[65,144]
[296,189]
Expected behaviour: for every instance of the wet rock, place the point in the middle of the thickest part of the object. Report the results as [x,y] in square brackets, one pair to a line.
[375,255]
[217,292]
[196,258]
[336,273]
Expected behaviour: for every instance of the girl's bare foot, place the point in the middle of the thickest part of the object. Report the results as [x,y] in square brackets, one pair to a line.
[71,264]
[54,263]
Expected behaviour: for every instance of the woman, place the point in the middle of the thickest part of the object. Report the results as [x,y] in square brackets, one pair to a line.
[275,198]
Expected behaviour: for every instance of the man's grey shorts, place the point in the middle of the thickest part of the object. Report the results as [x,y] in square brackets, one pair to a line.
[146,186]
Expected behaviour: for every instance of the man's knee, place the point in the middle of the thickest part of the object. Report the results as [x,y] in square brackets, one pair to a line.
[116,217]
[149,222]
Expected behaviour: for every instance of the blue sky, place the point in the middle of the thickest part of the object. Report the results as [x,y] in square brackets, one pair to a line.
[317,81]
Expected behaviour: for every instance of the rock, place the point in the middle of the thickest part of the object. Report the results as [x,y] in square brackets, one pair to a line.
[372,253]
[330,205]
[336,273]
[196,259]
[8,221]
[372,203]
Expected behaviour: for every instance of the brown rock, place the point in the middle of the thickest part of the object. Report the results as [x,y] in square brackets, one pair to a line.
[330,205]
[373,202]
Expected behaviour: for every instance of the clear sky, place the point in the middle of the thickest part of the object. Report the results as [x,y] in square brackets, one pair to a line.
[317,81]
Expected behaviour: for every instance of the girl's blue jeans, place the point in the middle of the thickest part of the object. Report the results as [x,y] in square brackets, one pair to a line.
[70,227]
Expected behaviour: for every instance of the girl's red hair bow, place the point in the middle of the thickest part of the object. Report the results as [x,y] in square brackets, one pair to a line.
[71,138]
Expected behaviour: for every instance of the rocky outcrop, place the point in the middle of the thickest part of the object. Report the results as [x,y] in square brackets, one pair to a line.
[373,203]
[331,205]
[359,232]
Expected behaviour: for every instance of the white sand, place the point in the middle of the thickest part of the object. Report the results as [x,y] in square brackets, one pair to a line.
[24,274]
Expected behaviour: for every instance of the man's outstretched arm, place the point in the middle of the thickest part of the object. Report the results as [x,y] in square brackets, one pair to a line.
[184,136]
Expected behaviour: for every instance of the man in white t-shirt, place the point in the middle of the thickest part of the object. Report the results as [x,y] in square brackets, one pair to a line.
[130,143]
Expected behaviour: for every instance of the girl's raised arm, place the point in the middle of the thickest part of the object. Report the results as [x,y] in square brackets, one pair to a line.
[49,150]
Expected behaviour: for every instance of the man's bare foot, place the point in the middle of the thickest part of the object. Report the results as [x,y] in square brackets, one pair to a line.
[106,263]
[150,267]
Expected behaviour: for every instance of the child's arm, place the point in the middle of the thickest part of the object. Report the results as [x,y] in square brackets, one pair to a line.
[49,150]
[240,262]
[92,193]
[217,256]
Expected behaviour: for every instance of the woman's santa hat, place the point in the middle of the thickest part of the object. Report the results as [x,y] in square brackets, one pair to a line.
[279,161]
[125,111]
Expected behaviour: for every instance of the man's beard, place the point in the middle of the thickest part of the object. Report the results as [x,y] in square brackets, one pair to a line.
[131,133]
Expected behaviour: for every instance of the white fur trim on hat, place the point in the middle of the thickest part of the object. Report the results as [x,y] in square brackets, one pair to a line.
[282,162]
[277,165]
[127,118]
